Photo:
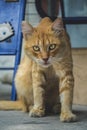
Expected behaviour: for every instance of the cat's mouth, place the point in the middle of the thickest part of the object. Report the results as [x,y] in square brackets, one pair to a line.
[44,64]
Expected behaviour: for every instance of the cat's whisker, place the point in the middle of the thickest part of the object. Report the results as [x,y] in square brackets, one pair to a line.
[77,75]
[76,65]
[66,63]
[56,61]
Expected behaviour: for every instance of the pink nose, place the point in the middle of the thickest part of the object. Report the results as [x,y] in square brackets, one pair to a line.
[45,59]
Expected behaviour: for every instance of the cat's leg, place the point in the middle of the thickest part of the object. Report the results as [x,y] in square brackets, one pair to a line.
[24,91]
[66,96]
[38,109]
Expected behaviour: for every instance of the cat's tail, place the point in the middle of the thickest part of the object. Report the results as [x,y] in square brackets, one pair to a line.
[12,105]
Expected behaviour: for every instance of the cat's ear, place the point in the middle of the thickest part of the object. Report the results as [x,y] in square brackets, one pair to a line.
[27,29]
[57,26]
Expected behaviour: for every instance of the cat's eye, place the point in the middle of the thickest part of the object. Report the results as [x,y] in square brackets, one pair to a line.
[52,46]
[36,48]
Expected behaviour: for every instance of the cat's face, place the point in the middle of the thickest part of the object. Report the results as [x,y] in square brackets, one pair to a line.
[43,45]
[44,49]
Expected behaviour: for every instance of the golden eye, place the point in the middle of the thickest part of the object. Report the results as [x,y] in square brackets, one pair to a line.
[36,48]
[52,46]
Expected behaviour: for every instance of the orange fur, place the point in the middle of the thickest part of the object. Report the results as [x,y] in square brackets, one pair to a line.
[45,70]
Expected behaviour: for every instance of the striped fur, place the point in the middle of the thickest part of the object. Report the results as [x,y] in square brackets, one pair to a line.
[45,74]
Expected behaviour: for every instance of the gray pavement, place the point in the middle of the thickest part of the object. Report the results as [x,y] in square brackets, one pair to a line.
[16,120]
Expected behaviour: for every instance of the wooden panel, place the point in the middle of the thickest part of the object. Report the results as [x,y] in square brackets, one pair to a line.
[80,74]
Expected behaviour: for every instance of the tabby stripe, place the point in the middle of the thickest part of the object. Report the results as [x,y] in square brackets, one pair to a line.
[64,89]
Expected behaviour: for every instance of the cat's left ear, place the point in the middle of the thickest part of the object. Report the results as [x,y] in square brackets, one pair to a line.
[27,29]
[57,26]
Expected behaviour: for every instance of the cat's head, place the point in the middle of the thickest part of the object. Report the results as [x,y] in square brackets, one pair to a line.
[44,43]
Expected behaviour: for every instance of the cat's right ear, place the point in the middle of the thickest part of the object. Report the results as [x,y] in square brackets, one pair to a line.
[57,26]
[27,30]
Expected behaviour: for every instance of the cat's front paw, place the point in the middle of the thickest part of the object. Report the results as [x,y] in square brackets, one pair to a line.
[68,117]
[36,112]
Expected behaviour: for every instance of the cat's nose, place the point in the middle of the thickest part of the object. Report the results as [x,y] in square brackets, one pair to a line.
[45,59]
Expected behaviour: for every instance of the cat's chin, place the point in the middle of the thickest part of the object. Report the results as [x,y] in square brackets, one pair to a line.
[45,65]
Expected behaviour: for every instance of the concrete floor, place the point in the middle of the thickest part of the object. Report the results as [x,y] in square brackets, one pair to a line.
[15,120]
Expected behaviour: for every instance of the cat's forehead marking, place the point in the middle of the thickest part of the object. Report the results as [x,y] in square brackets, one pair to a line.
[43,39]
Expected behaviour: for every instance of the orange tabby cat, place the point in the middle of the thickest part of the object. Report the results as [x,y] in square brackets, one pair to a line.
[45,73]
